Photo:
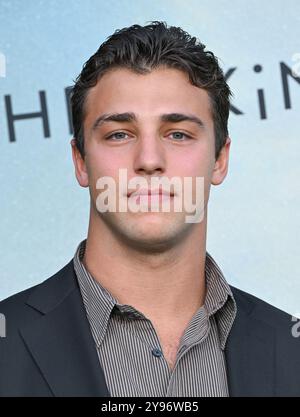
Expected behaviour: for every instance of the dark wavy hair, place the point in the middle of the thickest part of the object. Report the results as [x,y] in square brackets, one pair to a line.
[144,48]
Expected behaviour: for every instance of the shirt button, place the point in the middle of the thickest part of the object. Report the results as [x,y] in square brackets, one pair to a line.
[156,352]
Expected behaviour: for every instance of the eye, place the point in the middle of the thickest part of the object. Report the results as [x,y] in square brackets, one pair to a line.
[117,135]
[178,135]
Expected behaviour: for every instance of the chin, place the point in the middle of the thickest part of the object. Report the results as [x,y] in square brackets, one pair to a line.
[154,231]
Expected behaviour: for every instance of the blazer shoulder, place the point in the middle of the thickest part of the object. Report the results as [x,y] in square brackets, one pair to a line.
[13,303]
[262,310]
[18,308]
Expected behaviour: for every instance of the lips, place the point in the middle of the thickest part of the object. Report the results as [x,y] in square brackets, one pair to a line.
[149,192]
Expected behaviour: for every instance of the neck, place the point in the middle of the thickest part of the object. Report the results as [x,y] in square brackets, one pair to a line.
[164,285]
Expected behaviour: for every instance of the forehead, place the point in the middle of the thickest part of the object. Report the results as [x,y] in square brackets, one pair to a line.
[160,91]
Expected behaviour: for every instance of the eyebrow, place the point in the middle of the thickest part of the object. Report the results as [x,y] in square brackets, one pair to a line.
[131,117]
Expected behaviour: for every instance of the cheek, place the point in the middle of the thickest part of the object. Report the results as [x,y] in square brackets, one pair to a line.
[196,163]
[103,163]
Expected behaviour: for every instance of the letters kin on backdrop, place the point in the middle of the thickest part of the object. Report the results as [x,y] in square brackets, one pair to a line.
[285,73]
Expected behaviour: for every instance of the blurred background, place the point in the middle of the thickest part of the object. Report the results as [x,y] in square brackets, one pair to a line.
[253,217]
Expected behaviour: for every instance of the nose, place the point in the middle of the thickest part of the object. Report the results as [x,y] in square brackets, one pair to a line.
[149,157]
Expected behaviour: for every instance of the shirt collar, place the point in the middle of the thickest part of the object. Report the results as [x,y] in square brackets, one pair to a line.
[100,303]
[219,300]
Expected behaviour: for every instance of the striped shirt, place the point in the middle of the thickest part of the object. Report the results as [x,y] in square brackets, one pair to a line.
[129,349]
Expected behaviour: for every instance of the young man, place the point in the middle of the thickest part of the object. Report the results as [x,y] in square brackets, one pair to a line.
[143,309]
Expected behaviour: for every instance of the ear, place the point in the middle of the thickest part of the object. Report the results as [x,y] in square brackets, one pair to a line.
[221,164]
[80,166]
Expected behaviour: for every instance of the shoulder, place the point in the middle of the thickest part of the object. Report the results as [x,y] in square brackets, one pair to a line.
[260,310]
[25,305]
[14,308]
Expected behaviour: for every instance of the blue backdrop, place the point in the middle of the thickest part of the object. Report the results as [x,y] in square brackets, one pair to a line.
[253,218]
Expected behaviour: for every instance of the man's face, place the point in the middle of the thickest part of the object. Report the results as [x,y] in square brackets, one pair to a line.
[148,146]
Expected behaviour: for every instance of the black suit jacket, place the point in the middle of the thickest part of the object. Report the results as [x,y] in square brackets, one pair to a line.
[49,349]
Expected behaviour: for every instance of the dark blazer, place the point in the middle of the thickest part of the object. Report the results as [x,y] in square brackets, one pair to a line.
[49,349]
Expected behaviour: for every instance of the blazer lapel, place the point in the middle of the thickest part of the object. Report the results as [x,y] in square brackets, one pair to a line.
[250,355]
[61,342]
